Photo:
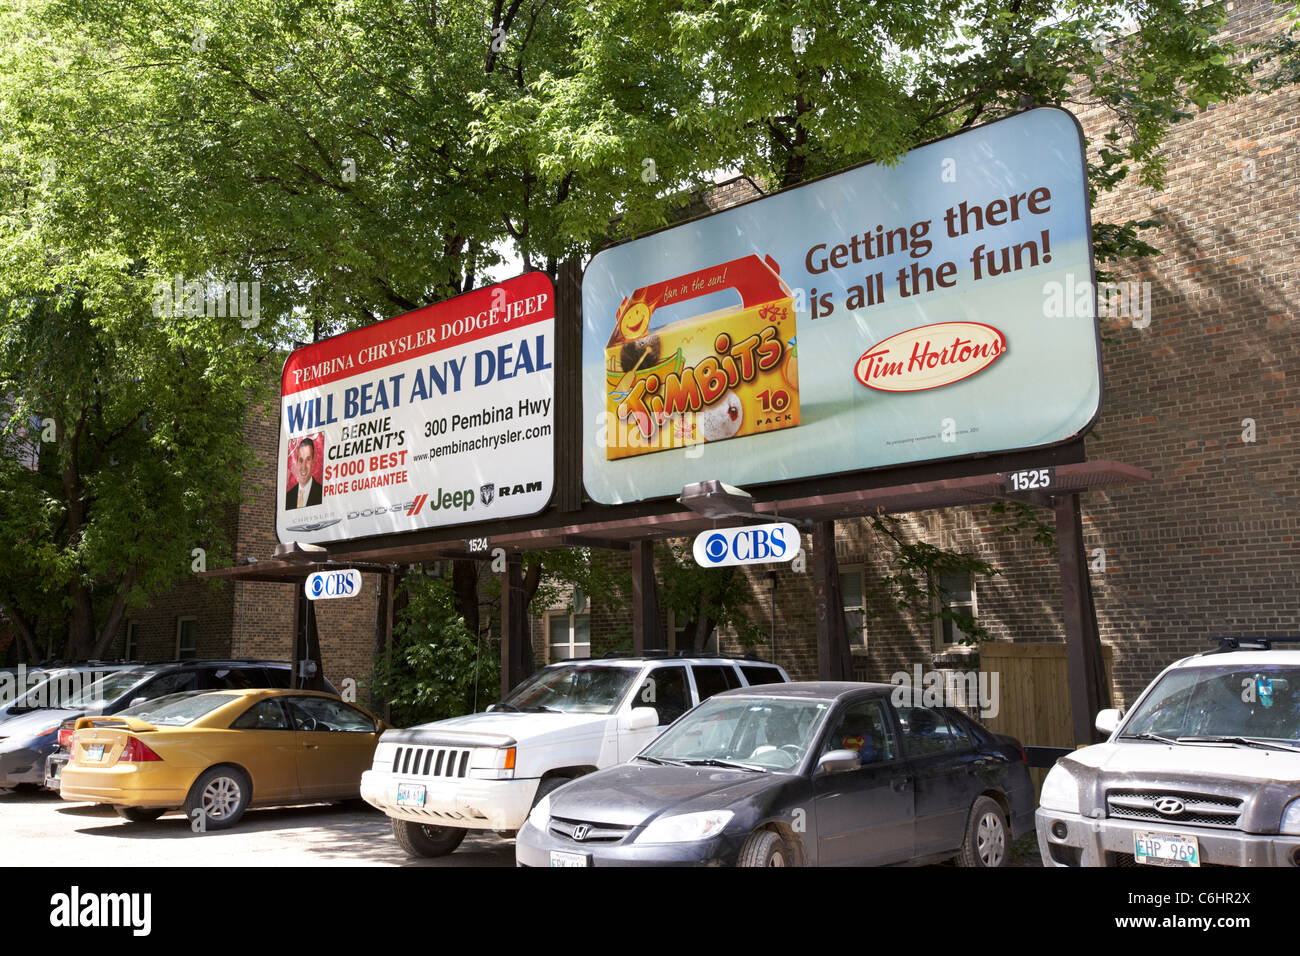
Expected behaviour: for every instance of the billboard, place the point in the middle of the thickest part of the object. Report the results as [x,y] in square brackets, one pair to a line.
[438,417]
[881,316]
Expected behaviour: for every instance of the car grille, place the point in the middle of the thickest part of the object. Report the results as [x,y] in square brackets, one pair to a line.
[1199,810]
[594,833]
[431,761]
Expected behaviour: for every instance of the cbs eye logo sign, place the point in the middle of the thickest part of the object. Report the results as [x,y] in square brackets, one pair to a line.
[333,584]
[756,544]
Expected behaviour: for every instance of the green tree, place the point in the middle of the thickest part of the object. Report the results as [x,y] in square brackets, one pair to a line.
[439,668]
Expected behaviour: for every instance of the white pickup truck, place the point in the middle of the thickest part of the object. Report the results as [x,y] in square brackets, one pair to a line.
[486,771]
[1204,770]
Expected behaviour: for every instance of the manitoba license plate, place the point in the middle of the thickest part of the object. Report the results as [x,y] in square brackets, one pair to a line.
[560,858]
[1166,849]
[410,795]
[94,751]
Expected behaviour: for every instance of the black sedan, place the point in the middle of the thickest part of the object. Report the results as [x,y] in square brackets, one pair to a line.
[802,774]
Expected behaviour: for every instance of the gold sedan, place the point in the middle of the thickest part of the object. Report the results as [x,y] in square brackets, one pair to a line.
[216,753]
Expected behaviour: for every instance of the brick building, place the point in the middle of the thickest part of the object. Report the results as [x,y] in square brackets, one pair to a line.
[1199,396]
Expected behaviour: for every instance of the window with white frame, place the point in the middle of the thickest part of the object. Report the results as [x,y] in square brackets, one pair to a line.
[568,635]
[958,594]
[187,637]
[852,596]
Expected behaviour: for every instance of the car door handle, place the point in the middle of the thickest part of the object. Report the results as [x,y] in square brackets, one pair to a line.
[898,784]
[311,746]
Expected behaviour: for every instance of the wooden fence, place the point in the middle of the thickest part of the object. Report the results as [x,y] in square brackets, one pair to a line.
[1033,693]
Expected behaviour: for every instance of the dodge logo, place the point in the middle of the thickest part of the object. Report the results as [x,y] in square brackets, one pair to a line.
[1169,806]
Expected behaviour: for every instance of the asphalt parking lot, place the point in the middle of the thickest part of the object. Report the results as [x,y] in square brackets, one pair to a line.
[39,829]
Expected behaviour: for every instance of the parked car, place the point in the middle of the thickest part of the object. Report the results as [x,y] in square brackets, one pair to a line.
[818,774]
[1205,769]
[49,688]
[30,724]
[486,771]
[142,682]
[220,752]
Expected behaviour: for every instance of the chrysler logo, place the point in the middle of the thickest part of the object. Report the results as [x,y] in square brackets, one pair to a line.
[580,832]
[1169,806]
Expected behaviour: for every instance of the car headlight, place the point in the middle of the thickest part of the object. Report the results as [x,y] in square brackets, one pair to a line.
[1060,791]
[686,827]
[1291,818]
[540,815]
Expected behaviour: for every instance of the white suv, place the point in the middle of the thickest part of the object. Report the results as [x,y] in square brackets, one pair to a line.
[486,771]
[1205,769]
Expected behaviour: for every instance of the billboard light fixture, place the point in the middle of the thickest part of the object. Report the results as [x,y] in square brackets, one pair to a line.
[717,499]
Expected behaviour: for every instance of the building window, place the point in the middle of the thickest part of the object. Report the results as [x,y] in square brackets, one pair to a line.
[855,609]
[131,642]
[568,635]
[187,638]
[957,594]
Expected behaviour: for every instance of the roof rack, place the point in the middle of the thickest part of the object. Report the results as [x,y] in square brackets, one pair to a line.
[1242,643]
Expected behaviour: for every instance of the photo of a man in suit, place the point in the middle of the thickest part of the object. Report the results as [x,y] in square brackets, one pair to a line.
[307,492]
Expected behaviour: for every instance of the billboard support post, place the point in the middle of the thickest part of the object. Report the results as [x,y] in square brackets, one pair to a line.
[834,661]
[308,668]
[514,625]
[646,632]
[1089,691]
[568,386]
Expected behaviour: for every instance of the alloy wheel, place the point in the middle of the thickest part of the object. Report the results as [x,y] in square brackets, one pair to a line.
[220,798]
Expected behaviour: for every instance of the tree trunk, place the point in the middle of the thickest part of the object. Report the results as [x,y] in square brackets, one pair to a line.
[464,583]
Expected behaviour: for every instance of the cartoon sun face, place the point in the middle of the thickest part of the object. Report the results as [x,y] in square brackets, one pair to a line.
[635,321]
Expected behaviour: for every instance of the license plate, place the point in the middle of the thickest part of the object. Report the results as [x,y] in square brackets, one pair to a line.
[410,795]
[560,858]
[1166,849]
[94,751]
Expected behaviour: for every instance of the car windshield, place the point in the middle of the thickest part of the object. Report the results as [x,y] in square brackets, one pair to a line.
[107,688]
[573,689]
[769,733]
[1259,703]
[177,710]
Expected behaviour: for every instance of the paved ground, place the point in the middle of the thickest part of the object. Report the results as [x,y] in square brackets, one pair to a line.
[39,829]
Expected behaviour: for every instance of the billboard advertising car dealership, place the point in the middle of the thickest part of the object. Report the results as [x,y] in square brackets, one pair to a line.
[438,417]
[880,316]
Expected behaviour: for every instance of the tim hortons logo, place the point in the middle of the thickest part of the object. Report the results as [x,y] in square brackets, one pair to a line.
[929,356]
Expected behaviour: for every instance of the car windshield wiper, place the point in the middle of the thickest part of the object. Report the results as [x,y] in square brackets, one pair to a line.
[502,705]
[540,708]
[1245,741]
[1150,736]
[713,762]
[660,761]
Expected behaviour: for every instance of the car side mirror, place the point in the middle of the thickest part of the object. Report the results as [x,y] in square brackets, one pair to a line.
[639,718]
[139,700]
[1107,721]
[838,761]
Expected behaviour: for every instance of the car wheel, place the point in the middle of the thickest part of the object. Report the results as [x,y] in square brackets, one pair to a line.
[421,839]
[222,795]
[987,841]
[765,848]
[139,814]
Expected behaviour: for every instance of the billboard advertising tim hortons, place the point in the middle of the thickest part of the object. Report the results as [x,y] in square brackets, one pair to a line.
[877,317]
[438,417]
